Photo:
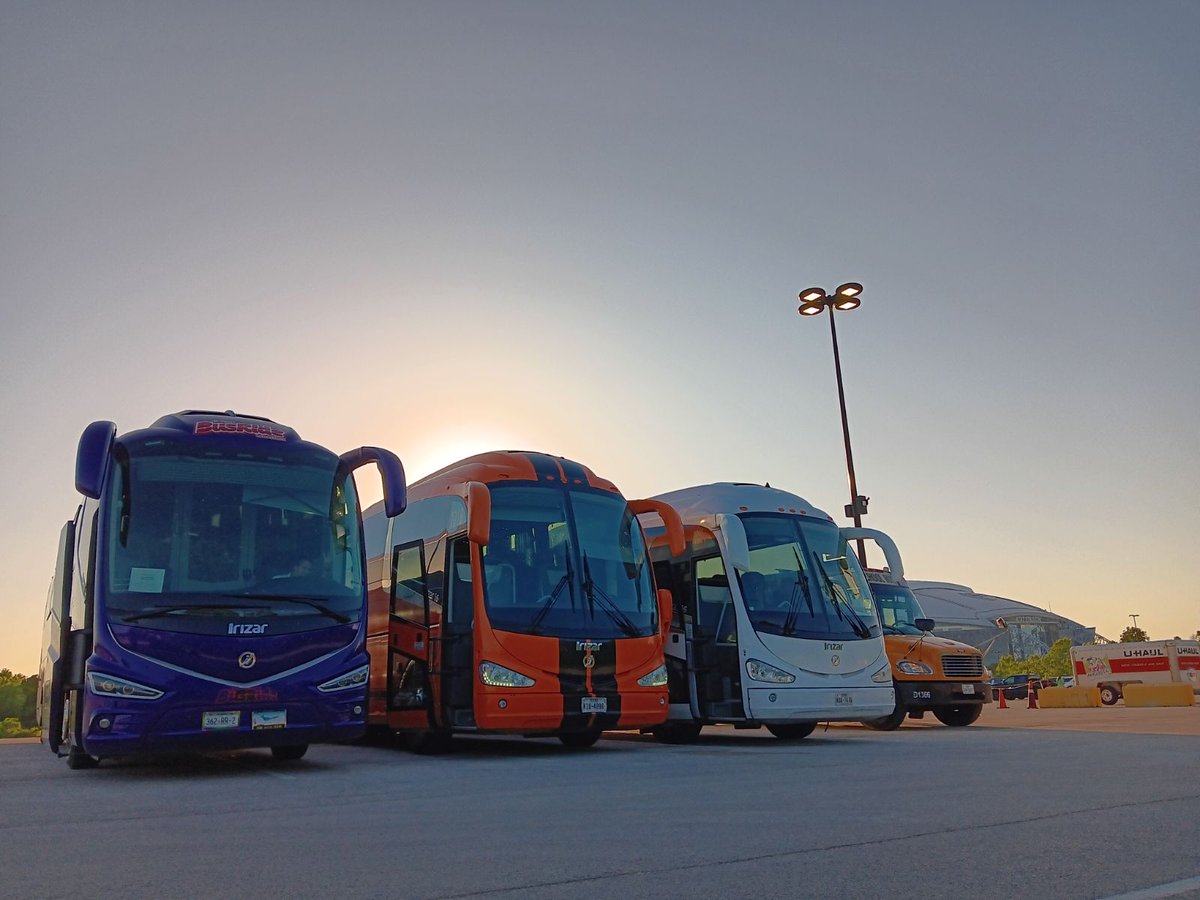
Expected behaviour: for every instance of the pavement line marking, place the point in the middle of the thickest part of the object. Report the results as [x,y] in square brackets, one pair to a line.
[1170,889]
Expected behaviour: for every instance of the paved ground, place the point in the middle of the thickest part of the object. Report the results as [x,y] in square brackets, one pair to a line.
[932,812]
[1110,719]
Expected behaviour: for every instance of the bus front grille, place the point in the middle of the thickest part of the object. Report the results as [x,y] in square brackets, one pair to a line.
[962,666]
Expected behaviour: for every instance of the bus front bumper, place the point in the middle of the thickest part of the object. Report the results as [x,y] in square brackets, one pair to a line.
[912,695]
[785,704]
[114,727]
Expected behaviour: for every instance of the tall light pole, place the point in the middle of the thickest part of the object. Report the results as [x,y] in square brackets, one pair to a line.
[813,302]
[1134,616]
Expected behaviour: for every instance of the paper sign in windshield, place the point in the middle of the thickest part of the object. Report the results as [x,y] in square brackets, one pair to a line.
[146,581]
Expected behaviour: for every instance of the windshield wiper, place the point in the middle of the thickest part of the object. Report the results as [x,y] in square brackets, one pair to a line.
[857,625]
[322,608]
[789,623]
[158,611]
[593,591]
[567,581]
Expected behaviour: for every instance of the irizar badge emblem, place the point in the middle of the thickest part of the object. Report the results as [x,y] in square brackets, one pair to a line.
[588,648]
[247,660]
[835,660]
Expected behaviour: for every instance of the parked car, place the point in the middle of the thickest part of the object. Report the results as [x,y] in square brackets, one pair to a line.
[1015,687]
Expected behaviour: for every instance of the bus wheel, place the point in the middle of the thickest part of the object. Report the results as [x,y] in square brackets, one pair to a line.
[957,716]
[289,753]
[77,759]
[794,732]
[580,740]
[1109,695]
[677,733]
[887,723]
[428,743]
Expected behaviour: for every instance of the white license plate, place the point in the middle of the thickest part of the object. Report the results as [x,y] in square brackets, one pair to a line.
[844,699]
[968,688]
[263,719]
[220,721]
[594,705]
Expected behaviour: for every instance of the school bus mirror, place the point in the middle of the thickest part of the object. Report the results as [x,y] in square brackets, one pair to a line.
[737,548]
[924,624]
[91,459]
[479,512]
[666,610]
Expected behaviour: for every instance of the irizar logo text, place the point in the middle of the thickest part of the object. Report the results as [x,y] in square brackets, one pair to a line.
[247,629]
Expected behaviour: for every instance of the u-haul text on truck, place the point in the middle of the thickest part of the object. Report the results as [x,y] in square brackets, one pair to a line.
[1110,666]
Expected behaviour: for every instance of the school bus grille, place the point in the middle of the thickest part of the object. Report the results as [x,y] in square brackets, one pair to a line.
[962,666]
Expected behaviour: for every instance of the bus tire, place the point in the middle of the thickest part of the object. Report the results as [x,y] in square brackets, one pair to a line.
[677,733]
[887,723]
[428,743]
[78,759]
[793,731]
[1109,694]
[289,752]
[580,740]
[958,716]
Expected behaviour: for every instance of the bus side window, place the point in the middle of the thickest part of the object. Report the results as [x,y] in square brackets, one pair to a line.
[435,578]
[462,598]
[714,601]
[408,582]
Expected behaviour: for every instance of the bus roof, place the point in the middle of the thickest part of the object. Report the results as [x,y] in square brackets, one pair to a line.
[207,423]
[508,465]
[696,503]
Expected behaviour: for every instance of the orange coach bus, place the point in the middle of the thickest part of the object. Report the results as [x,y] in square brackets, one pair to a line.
[515,596]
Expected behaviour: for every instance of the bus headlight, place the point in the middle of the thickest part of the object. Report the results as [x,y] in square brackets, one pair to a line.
[111,686]
[495,675]
[883,675]
[760,671]
[908,667]
[657,678]
[356,678]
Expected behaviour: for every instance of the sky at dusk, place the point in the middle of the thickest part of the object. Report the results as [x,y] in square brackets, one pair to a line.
[580,228]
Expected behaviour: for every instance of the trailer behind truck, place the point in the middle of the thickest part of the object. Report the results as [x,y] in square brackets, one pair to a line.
[1112,666]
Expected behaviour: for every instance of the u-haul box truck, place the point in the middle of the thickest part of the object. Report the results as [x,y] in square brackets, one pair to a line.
[1109,666]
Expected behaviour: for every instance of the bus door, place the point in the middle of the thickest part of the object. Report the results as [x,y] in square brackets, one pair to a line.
[715,662]
[409,639]
[455,646]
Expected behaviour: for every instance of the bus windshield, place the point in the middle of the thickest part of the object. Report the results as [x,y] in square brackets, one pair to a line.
[804,581]
[190,535]
[567,563]
[898,608]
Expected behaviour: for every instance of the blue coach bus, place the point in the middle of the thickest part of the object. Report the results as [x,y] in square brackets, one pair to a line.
[209,593]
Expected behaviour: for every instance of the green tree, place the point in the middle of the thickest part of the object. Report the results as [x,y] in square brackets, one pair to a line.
[12,728]
[18,697]
[1057,661]
[1133,635]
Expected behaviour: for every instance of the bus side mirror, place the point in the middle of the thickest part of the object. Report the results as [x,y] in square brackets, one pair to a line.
[666,611]
[479,511]
[736,544]
[924,624]
[676,540]
[395,489]
[91,460]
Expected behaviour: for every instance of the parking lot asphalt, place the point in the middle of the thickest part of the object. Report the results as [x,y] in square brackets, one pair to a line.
[1183,720]
[930,811]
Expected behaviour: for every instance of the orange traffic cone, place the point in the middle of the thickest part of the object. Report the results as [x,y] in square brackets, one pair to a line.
[1032,698]
[1002,705]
